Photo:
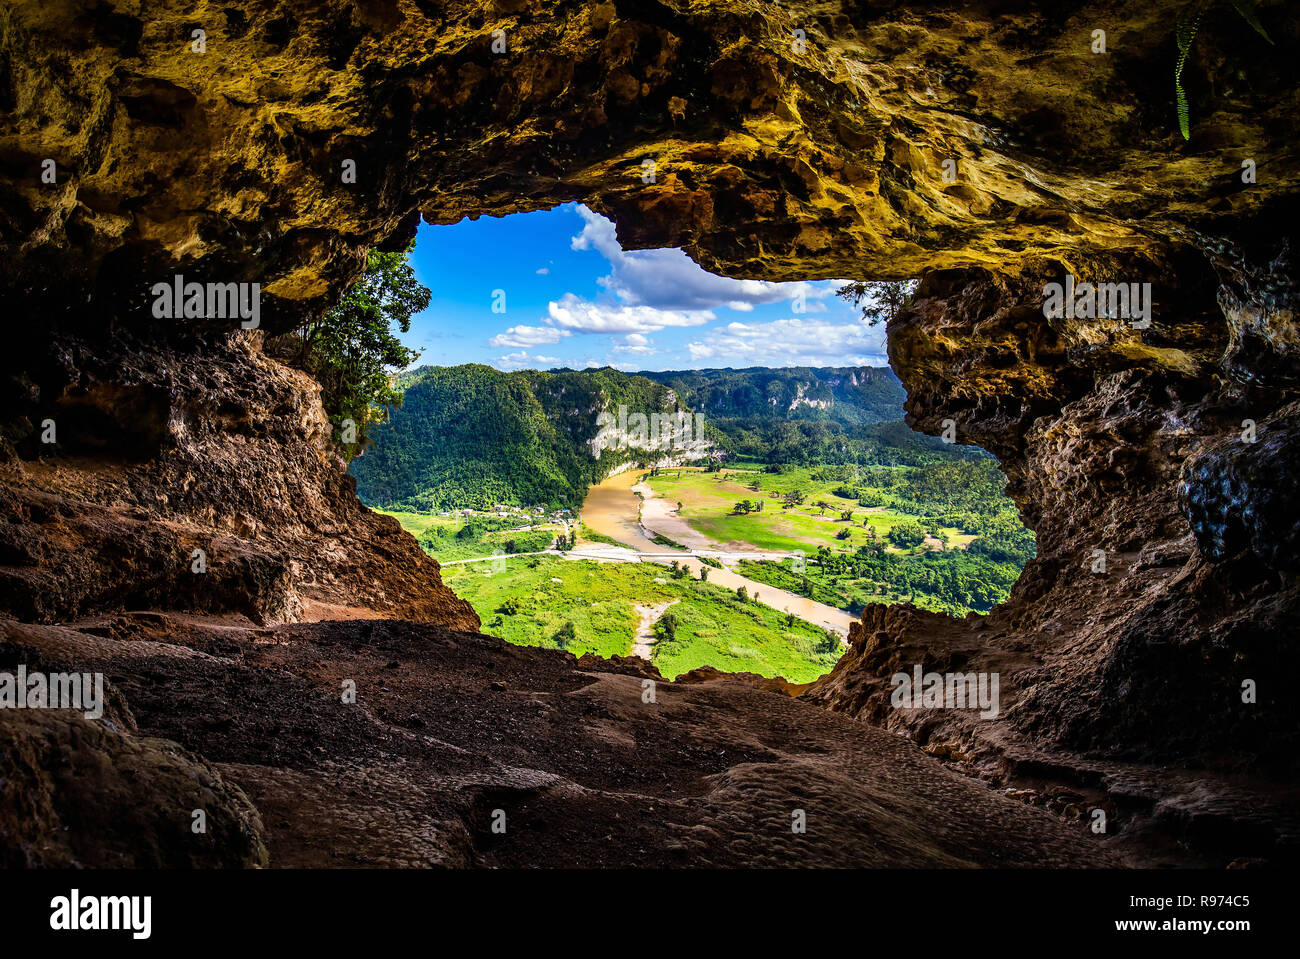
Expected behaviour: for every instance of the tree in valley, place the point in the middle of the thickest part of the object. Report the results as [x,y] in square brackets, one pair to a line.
[906,535]
[666,628]
[566,635]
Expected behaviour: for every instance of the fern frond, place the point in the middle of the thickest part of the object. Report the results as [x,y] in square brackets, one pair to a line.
[1247,10]
[1189,21]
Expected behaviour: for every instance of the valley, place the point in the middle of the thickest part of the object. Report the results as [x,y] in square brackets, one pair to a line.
[778,557]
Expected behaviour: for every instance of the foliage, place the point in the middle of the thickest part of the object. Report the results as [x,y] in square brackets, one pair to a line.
[961,503]
[472,436]
[709,625]
[850,396]
[905,535]
[1185,30]
[453,537]
[881,300]
[351,349]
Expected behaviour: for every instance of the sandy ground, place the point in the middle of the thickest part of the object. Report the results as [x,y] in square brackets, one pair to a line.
[613,509]
[660,516]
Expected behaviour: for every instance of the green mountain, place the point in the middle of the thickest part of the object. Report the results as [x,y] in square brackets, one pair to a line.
[472,436]
[851,396]
[809,415]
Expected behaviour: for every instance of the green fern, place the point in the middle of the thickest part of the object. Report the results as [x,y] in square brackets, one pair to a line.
[1189,22]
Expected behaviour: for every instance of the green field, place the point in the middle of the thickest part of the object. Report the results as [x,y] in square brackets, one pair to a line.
[533,599]
[708,501]
[942,536]
[448,538]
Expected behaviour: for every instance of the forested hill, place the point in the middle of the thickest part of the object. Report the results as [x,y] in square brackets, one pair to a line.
[809,415]
[473,436]
[852,396]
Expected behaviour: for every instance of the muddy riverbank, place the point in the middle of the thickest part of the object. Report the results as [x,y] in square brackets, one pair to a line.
[613,509]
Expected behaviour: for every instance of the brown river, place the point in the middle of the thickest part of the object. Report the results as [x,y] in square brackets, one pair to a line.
[613,509]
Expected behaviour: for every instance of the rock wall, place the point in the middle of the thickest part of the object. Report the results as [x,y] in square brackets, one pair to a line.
[203,480]
[1165,577]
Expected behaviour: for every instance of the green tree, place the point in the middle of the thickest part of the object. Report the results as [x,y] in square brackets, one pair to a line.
[566,635]
[666,628]
[907,534]
[881,300]
[352,351]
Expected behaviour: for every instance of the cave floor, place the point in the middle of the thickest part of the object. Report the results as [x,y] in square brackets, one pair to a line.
[462,750]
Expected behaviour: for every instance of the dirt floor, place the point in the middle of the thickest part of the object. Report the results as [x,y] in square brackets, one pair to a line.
[454,737]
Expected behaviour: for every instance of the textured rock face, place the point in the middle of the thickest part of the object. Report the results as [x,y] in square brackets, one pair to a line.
[200,480]
[76,793]
[1146,657]
[1164,579]
[448,727]
[772,159]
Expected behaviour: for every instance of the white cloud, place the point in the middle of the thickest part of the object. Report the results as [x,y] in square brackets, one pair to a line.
[524,336]
[634,343]
[573,313]
[521,360]
[797,341]
[543,271]
[668,279]
[513,361]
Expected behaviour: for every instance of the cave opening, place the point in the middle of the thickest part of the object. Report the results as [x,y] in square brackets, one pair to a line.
[988,151]
[527,454]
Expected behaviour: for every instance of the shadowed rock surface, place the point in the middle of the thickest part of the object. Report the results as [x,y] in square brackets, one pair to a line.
[449,727]
[773,160]
[239,467]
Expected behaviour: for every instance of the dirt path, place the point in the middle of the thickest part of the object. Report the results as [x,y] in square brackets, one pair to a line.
[645,639]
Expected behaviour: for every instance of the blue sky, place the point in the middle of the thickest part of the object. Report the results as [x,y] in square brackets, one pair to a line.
[573,297]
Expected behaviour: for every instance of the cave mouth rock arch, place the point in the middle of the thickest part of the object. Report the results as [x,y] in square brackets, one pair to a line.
[774,160]
[741,354]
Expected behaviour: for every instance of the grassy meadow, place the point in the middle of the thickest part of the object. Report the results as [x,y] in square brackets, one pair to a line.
[708,501]
[536,600]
